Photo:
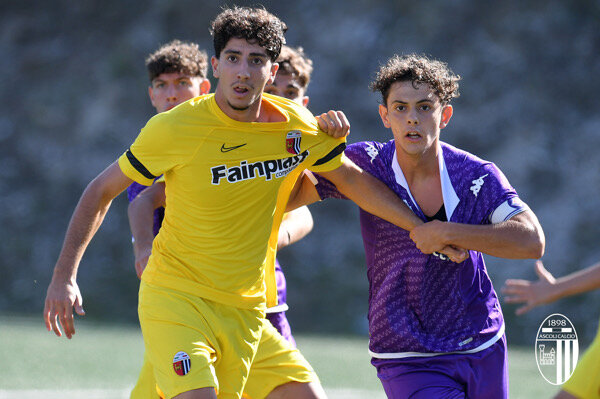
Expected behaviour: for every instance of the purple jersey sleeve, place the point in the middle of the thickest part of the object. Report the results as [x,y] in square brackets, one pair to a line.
[363,154]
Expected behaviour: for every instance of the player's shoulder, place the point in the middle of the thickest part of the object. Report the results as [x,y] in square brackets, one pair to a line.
[373,150]
[296,113]
[461,160]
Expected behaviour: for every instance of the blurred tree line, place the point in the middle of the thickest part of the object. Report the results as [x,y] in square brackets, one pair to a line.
[75,96]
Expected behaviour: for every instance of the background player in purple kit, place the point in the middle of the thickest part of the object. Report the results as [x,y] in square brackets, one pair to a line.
[436,328]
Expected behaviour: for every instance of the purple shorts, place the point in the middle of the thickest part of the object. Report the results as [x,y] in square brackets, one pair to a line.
[475,375]
[281,323]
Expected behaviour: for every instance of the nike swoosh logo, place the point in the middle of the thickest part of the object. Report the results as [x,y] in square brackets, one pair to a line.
[227,149]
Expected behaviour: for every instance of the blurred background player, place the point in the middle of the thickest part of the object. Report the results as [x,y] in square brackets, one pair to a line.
[435,328]
[290,82]
[585,381]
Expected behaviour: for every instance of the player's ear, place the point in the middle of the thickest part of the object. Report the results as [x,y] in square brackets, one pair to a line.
[383,113]
[274,68]
[214,62]
[305,101]
[205,86]
[151,95]
[447,112]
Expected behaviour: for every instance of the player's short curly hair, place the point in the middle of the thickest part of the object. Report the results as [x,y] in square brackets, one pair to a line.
[293,61]
[256,25]
[177,57]
[418,69]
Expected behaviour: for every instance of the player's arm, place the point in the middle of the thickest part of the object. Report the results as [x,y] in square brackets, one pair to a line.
[295,226]
[548,289]
[141,222]
[520,237]
[378,199]
[63,293]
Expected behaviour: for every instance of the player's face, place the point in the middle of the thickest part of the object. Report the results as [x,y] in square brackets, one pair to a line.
[243,70]
[171,89]
[286,85]
[415,116]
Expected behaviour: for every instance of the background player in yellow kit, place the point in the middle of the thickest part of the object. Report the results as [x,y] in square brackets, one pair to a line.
[230,161]
[585,381]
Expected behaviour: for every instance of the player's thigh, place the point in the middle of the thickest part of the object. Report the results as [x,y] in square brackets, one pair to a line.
[193,343]
[276,363]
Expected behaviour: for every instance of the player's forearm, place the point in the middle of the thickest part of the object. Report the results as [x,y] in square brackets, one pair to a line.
[576,283]
[295,226]
[86,220]
[372,195]
[141,219]
[510,239]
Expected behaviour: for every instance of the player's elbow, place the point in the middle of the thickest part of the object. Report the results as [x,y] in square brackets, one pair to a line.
[536,245]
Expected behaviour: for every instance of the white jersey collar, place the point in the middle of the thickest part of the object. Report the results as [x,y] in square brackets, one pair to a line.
[449,196]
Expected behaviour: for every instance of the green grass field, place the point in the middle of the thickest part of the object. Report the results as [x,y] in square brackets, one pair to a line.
[102,361]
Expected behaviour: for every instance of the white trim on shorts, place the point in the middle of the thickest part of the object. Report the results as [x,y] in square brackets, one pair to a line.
[401,355]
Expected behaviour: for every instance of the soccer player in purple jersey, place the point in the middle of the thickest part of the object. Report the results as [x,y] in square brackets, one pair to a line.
[585,381]
[436,328]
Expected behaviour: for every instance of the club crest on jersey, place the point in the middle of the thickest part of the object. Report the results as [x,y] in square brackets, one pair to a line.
[292,141]
[182,363]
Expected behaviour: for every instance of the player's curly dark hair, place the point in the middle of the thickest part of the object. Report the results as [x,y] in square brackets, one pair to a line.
[293,61]
[177,57]
[256,25]
[417,69]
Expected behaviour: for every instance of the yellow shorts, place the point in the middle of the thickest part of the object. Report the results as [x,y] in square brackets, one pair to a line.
[585,381]
[195,343]
[276,363]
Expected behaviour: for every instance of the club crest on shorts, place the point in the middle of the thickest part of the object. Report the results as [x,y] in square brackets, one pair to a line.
[556,349]
[182,363]
[292,141]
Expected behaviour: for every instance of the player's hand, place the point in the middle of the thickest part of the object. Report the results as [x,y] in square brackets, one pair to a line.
[61,298]
[532,293]
[334,123]
[141,260]
[455,254]
[429,237]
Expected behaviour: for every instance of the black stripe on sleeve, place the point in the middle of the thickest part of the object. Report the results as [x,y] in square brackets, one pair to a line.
[138,165]
[332,154]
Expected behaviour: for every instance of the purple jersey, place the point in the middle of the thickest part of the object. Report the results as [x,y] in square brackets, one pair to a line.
[133,191]
[421,304]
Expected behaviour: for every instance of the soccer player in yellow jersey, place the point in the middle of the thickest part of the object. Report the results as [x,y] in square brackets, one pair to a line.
[585,381]
[230,161]
[277,365]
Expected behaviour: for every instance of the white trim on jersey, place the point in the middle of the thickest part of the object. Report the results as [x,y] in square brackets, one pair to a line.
[449,196]
[507,210]
[402,355]
[277,309]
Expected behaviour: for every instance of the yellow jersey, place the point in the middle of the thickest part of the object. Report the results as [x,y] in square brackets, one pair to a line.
[227,184]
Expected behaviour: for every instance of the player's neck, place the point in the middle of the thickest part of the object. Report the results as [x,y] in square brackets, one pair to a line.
[419,166]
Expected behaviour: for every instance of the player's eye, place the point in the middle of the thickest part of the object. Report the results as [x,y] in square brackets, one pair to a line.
[400,107]
[257,61]
[231,58]
[291,93]
[425,107]
[159,85]
[185,83]
[270,90]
